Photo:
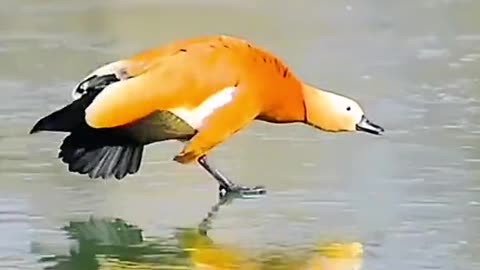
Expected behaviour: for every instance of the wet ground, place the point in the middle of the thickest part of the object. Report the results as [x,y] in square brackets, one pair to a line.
[411,197]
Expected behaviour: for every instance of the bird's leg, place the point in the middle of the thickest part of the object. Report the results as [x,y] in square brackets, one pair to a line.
[226,185]
[223,181]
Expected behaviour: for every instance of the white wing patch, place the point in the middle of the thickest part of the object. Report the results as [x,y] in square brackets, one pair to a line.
[110,68]
[195,117]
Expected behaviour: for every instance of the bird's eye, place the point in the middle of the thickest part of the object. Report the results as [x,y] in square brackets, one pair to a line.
[348,108]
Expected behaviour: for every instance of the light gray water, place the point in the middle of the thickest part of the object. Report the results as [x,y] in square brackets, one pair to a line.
[411,197]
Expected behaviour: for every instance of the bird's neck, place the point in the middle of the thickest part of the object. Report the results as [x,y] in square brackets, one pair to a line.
[284,104]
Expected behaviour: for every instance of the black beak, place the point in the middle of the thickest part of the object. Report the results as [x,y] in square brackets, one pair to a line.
[367,126]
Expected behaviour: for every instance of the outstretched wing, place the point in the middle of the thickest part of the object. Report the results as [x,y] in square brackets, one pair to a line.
[202,88]
[126,101]
[181,81]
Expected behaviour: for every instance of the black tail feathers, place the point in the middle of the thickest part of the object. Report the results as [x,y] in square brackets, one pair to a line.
[98,159]
[67,118]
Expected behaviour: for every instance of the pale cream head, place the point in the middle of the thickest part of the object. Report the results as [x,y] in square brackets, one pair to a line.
[335,113]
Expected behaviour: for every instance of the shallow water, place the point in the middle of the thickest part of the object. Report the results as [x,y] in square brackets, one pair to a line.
[411,197]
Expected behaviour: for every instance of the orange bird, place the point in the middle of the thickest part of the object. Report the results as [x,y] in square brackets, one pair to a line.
[198,91]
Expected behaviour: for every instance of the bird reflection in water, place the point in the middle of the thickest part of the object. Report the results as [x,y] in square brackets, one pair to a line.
[113,244]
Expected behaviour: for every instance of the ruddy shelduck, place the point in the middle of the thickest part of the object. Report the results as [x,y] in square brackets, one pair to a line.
[198,91]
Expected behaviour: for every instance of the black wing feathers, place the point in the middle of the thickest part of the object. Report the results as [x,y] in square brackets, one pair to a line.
[97,152]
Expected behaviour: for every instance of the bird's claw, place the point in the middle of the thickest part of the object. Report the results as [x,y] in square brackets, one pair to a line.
[242,191]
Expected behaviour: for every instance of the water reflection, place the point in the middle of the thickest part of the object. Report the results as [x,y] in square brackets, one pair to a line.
[105,243]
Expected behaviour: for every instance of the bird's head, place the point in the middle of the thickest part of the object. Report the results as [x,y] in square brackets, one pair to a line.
[336,113]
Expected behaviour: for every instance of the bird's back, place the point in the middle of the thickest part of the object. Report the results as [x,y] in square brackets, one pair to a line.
[197,68]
